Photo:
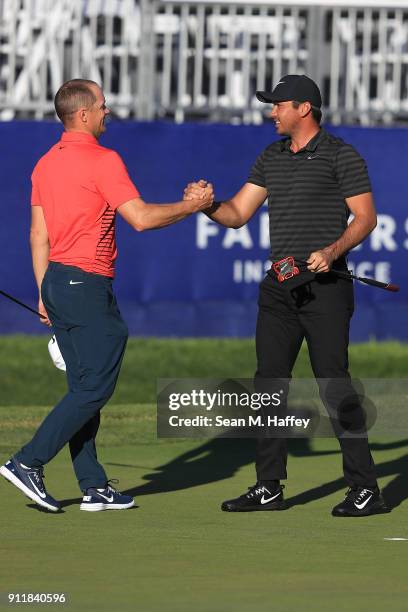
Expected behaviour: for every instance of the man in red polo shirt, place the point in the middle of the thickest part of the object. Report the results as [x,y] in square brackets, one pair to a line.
[77,187]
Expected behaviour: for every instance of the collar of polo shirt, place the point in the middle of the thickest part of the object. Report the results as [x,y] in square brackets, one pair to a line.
[311,145]
[78,137]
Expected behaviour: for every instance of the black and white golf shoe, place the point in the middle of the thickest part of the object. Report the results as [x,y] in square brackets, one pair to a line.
[30,481]
[258,497]
[361,502]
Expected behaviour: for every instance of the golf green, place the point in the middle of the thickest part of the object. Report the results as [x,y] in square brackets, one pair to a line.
[178,552]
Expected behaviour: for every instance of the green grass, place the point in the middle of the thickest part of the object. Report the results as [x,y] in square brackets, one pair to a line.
[29,378]
[176,551]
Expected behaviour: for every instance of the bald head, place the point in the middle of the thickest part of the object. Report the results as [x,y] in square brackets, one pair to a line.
[74,95]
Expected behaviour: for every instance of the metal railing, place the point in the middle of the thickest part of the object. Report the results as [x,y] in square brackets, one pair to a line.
[220,55]
[45,42]
[205,59]
[366,75]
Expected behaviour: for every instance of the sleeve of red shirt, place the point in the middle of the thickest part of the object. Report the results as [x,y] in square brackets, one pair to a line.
[114,182]
[35,193]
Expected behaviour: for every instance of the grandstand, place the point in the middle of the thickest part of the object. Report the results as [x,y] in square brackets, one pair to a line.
[191,59]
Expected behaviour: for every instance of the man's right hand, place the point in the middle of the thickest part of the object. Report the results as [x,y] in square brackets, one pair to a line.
[42,311]
[201,193]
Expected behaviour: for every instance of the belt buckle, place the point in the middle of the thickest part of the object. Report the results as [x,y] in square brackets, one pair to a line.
[285,269]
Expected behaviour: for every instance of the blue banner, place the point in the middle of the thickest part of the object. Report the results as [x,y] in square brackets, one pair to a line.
[197,278]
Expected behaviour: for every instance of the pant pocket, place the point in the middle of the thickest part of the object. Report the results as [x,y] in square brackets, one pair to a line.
[63,302]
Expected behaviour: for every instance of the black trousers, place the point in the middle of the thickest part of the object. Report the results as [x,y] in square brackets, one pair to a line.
[319,311]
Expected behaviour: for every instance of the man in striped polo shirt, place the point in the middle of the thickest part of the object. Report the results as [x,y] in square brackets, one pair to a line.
[78,187]
[312,181]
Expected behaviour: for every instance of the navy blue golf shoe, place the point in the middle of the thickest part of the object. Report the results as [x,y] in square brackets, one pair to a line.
[108,498]
[30,481]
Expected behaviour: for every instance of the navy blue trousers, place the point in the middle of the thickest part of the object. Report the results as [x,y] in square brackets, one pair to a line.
[92,338]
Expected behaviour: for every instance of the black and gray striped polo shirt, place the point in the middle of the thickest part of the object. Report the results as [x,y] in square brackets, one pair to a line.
[307,191]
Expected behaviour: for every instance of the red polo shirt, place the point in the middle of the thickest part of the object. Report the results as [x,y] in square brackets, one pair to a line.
[79,184]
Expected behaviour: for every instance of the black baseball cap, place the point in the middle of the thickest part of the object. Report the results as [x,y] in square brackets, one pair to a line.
[297,87]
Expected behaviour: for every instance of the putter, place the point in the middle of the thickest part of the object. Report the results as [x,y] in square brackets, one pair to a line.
[53,347]
[13,299]
[368,281]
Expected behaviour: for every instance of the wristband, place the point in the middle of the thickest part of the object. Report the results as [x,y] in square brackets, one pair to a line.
[213,208]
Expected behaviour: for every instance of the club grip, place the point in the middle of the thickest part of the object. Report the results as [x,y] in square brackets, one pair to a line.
[376,283]
[392,287]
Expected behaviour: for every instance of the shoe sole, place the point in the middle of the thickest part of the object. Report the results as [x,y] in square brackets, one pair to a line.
[12,479]
[378,509]
[100,507]
[276,506]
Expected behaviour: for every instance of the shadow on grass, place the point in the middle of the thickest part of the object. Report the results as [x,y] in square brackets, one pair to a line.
[395,492]
[217,459]
[44,510]
[220,459]
[75,501]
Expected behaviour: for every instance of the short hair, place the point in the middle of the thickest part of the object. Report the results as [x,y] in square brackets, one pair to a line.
[316,112]
[72,96]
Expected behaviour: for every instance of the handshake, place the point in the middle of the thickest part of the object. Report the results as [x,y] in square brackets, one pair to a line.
[200,195]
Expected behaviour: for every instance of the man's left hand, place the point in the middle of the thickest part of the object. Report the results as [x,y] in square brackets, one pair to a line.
[320,261]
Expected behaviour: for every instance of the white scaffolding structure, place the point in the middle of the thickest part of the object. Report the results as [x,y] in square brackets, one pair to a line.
[205,59]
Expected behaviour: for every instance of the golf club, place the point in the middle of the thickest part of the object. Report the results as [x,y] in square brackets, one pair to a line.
[368,281]
[53,347]
[13,299]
